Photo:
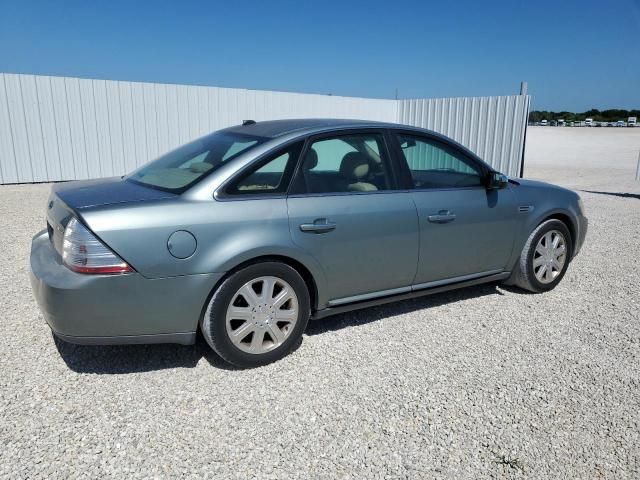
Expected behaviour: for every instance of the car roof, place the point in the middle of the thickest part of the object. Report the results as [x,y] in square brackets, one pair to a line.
[309,126]
[278,128]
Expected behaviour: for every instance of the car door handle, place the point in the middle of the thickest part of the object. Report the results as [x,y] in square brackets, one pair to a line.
[320,225]
[443,216]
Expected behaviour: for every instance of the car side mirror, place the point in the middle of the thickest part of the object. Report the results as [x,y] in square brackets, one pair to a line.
[496,181]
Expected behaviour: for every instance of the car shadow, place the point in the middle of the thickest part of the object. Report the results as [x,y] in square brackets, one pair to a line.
[126,359]
[123,359]
[615,194]
[373,314]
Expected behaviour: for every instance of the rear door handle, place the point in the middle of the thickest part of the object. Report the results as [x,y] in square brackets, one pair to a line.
[443,216]
[320,225]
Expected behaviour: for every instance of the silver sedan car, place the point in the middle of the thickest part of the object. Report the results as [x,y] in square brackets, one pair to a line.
[247,233]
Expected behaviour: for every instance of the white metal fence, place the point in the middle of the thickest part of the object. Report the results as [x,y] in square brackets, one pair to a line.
[62,128]
[492,127]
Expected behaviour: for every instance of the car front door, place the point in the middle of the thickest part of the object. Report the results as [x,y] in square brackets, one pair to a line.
[466,230]
[344,211]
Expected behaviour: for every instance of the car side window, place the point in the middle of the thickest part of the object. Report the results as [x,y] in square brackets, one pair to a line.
[271,176]
[345,163]
[435,165]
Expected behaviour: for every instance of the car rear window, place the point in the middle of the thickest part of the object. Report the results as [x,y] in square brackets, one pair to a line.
[185,166]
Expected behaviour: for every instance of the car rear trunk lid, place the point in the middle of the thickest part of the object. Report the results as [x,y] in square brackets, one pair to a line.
[106,191]
[70,199]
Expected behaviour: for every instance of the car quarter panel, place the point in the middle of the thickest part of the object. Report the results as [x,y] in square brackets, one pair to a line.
[78,305]
[227,233]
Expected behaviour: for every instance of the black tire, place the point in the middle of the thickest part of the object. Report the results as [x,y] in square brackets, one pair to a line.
[213,323]
[524,276]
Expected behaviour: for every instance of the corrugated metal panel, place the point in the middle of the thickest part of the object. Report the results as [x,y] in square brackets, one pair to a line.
[492,127]
[8,166]
[60,128]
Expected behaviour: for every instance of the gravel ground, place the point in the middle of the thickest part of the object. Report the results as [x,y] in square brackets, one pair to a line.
[484,382]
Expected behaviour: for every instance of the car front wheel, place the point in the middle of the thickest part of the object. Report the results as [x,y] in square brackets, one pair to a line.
[257,315]
[545,257]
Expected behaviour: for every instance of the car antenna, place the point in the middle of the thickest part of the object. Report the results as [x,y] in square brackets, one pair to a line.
[248,122]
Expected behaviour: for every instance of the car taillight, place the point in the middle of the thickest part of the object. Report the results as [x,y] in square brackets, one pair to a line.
[82,252]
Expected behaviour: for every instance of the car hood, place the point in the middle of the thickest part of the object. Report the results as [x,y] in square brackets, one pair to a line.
[105,191]
[536,184]
[537,192]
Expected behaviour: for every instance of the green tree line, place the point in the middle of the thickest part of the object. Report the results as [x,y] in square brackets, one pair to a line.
[612,115]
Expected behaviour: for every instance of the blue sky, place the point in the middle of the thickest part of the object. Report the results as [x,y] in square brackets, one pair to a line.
[574,54]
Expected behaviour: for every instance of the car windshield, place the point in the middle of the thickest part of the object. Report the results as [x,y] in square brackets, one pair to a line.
[183,167]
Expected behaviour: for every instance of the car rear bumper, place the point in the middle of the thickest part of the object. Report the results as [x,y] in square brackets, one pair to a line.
[116,309]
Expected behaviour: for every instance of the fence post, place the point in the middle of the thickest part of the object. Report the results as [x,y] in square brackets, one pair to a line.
[524,87]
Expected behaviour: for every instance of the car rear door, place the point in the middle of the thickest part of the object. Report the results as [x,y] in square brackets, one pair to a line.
[466,230]
[344,210]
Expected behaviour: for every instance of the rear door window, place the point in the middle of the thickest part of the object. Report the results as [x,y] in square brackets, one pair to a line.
[270,176]
[345,163]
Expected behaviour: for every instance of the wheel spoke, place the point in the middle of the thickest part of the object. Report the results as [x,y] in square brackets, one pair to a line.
[267,290]
[276,334]
[537,262]
[286,315]
[257,340]
[548,239]
[556,240]
[249,295]
[282,297]
[540,273]
[241,332]
[239,313]
[559,250]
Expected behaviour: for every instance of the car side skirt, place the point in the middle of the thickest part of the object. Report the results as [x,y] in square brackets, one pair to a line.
[390,296]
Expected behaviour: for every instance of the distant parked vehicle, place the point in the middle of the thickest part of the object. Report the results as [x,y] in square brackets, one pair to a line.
[632,122]
[554,123]
[561,122]
[543,123]
[621,123]
[588,122]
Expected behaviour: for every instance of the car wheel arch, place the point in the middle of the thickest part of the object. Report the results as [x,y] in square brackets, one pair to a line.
[298,266]
[565,218]
[533,222]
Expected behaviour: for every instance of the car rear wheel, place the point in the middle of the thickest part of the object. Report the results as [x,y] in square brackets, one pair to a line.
[545,257]
[257,315]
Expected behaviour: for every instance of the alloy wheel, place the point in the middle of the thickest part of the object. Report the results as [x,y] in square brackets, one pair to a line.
[550,256]
[262,314]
